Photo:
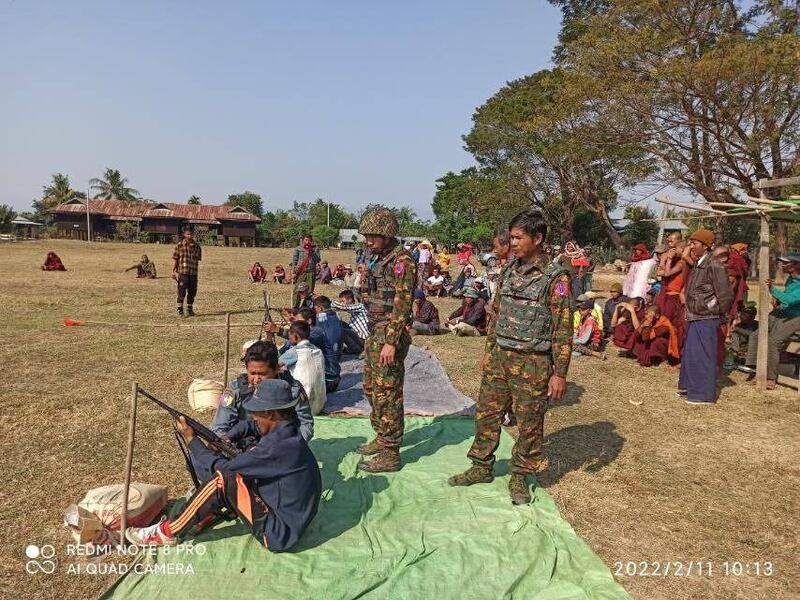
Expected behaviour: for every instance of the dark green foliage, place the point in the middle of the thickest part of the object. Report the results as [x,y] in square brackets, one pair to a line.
[250,201]
[639,230]
[7,215]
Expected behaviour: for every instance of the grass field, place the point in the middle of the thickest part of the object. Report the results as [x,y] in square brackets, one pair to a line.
[656,481]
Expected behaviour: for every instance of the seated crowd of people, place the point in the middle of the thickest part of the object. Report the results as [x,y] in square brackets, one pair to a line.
[684,306]
[687,297]
[340,275]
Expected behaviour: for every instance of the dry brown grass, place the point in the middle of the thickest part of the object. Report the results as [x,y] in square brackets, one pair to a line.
[659,481]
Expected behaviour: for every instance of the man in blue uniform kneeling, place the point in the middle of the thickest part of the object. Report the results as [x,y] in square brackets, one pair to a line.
[274,487]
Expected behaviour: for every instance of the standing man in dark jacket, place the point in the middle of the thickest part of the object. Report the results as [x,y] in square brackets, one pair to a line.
[708,300]
[304,267]
[274,487]
[185,267]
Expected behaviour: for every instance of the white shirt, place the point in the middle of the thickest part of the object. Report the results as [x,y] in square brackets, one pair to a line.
[436,280]
[424,256]
[309,370]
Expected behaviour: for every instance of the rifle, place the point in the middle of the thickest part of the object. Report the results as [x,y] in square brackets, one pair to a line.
[267,319]
[212,440]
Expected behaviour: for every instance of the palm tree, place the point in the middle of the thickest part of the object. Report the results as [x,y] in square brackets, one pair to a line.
[113,187]
[58,192]
[194,200]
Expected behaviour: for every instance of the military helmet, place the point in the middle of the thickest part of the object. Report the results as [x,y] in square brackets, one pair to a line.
[379,221]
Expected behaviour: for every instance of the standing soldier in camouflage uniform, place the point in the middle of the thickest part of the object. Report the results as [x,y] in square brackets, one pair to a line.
[528,349]
[304,267]
[387,293]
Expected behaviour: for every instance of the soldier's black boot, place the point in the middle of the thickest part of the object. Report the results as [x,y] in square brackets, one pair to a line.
[190,310]
[518,488]
[369,448]
[386,460]
[180,310]
[475,474]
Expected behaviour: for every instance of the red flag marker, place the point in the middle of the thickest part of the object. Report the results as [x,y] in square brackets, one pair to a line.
[71,322]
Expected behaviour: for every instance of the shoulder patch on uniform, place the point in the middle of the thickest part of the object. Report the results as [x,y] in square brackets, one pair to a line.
[226,399]
[399,268]
[560,288]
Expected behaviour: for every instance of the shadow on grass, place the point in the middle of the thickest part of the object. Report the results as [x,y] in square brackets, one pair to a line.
[580,447]
[586,447]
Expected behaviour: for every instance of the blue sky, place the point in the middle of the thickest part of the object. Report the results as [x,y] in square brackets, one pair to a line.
[353,101]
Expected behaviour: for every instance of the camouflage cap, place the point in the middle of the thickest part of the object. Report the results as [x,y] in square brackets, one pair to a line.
[379,221]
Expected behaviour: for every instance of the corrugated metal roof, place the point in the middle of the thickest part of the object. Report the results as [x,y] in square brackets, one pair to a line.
[24,221]
[199,213]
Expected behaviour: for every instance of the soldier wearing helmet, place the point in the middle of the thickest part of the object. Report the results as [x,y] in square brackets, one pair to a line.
[387,292]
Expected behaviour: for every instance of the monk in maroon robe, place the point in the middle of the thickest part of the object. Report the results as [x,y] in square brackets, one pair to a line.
[626,320]
[656,340]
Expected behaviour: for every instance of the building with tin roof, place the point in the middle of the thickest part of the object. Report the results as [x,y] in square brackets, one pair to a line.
[161,221]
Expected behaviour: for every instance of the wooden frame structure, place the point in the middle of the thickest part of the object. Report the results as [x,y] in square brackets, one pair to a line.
[764,209]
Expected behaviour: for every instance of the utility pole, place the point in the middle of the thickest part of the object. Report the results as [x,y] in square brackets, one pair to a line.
[88,220]
[329,214]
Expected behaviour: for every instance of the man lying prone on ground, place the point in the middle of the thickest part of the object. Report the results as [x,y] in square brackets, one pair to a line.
[274,487]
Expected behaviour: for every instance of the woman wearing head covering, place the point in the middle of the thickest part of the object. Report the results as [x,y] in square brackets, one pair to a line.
[425,315]
[53,263]
[641,263]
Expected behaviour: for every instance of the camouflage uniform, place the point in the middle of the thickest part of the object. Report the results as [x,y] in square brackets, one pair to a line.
[528,341]
[388,293]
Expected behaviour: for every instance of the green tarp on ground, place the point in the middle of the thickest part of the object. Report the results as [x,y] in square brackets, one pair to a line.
[397,535]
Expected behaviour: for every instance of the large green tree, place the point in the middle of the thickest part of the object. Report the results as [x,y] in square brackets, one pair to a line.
[473,197]
[250,201]
[641,229]
[537,134]
[319,211]
[113,186]
[56,192]
[707,88]
[7,214]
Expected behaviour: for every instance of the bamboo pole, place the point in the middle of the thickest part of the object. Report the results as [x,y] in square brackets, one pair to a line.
[764,184]
[711,215]
[227,345]
[689,206]
[128,462]
[781,203]
[160,325]
[731,205]
[763,304]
